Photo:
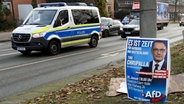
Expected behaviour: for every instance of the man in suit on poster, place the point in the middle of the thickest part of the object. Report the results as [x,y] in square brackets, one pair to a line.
[158,51]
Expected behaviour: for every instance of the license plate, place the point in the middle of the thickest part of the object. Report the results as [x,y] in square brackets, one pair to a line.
[21,48]
[127,32]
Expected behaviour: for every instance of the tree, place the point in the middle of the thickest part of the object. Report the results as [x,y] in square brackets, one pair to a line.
[101,4]
[34,3]
[6,11]
[5,24]
[1,11]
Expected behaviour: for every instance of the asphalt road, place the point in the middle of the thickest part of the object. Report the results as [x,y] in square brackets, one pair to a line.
[19,73]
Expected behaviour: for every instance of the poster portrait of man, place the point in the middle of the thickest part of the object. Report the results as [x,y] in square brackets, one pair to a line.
[159,62]
[147,68]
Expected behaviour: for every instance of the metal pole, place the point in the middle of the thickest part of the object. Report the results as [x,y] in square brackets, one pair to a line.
[148,17]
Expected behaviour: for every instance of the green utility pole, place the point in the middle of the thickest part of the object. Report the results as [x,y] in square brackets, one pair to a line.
[148,18]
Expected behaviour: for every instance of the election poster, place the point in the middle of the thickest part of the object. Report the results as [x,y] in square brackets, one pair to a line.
[147,68]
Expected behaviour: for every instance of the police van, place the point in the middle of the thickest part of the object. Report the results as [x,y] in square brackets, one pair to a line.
[50,28]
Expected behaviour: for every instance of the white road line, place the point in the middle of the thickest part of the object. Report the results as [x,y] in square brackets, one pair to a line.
[110,54]
[37,62]
[117,51]
[1,44]
[6,50]
[8,54]
[107,56]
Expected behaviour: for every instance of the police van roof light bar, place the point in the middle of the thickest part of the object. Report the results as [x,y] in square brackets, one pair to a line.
[61,4]
[52,4]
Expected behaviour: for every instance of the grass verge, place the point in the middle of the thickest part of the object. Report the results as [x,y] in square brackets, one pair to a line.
[92,90]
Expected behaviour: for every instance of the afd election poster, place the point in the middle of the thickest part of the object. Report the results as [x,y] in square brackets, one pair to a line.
[147,68]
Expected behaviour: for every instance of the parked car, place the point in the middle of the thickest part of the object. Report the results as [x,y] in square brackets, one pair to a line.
[105,20]
[182,21]
[131,29]
[110,26]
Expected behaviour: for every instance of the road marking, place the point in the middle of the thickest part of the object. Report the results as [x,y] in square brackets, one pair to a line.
[5,50]
[111,54]
[107,56]
[117,51]
[8,54]
[3,44]
[37,62]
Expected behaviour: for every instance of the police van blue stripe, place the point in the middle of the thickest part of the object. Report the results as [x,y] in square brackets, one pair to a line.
[74,31]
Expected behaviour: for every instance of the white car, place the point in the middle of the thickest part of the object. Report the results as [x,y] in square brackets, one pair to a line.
[131,29]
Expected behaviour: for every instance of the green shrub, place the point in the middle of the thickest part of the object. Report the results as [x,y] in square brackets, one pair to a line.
[7,25]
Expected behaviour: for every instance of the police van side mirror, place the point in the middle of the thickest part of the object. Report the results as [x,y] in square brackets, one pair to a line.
[57,23]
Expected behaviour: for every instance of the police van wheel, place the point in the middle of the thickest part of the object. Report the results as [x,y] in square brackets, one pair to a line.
[27,52]
[54,47]
[93,42]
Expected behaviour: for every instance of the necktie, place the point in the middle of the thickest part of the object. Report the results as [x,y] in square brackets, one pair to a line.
[156,66]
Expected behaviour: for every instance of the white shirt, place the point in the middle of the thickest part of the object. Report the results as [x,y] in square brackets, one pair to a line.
[159,67]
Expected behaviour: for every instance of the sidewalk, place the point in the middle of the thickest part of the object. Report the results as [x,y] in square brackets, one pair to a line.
[5,36]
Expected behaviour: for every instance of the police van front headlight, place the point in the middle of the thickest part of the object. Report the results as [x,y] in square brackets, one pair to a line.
[38,35]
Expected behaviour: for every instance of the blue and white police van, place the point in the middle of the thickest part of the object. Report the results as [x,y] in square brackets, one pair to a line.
[50,28]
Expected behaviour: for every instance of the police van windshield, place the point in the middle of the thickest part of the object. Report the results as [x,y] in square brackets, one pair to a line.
[41,17]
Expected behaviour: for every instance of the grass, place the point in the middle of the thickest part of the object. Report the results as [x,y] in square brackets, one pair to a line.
[177,58]
[92,90]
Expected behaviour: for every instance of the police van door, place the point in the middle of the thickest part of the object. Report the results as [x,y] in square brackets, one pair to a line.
[82,28]
[62,27]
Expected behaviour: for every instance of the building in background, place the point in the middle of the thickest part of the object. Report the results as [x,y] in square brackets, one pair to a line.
[116,8]
[123,8]
[110,8]
[20,8]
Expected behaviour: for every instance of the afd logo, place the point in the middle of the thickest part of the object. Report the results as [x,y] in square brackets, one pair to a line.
[154,96]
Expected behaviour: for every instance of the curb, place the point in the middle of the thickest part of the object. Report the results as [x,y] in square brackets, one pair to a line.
[1,41]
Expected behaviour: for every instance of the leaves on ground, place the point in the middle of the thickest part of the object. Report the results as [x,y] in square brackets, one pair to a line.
[93,88]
